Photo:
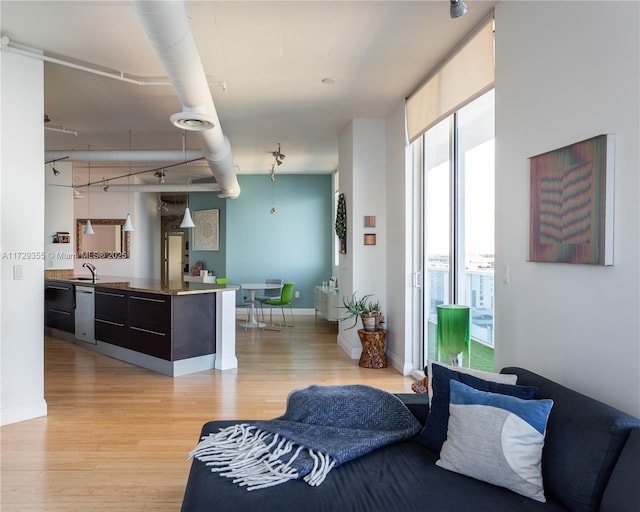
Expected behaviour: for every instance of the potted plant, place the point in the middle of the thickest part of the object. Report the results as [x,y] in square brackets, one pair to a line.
[364,308]
[374,311]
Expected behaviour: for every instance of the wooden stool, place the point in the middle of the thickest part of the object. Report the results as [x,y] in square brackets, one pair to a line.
[373,344]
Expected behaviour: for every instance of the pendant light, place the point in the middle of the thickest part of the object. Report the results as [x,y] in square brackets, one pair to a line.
[88,229]
[128,225]
[187,221]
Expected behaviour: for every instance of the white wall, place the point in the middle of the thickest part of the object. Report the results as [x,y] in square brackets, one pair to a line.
[145,239]
[400,221]
[565,73]
[59,216]
[362,157]
[21,239]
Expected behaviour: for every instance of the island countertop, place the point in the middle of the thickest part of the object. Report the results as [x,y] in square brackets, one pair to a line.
[173,287]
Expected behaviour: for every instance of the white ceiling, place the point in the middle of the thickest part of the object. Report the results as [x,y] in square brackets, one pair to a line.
[272,56]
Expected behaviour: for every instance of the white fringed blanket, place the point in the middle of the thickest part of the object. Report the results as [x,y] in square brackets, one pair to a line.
[323,426]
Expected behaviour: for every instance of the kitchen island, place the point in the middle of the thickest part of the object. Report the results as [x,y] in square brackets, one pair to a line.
[172,327]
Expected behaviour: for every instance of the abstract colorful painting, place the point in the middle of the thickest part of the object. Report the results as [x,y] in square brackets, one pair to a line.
[571,218]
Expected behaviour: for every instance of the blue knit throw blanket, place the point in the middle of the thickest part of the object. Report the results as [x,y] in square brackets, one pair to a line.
[323,426]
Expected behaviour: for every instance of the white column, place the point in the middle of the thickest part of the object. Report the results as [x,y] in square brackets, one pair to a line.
[22,239]
[226,330]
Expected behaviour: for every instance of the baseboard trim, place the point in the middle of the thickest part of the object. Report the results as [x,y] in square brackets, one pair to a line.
[23,412]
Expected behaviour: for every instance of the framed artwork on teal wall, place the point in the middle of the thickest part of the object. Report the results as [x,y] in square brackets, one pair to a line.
[205,232]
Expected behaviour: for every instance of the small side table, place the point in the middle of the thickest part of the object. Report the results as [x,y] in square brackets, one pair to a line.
[373,345]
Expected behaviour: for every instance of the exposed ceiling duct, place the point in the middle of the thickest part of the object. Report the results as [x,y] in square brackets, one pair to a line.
[167,27]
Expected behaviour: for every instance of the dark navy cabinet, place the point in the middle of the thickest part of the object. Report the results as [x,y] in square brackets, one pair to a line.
[59,305]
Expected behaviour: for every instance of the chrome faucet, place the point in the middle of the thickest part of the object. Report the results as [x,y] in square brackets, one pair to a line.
[92,269]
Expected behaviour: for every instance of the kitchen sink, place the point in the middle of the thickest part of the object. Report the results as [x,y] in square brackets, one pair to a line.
[84,279]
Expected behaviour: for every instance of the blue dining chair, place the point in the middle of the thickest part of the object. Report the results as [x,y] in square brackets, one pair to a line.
[242,302]
[269,293]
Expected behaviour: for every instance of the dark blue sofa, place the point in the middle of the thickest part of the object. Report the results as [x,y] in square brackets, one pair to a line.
[591,462]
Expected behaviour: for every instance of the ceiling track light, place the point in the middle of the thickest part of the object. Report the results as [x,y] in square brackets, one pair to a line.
[106,184]
[457,8]
[160,175]
[55,171]
[278,155]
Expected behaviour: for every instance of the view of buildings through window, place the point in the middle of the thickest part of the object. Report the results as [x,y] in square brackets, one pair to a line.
[458,237]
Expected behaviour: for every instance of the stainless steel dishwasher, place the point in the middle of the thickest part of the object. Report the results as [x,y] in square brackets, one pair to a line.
[85,309]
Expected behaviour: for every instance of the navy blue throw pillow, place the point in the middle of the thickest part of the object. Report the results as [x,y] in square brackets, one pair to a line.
[434,433]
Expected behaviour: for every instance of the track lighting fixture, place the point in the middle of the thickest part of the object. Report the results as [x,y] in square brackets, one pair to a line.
[457,8]
[160,175]
[55,171]
[278,155]
[105,187]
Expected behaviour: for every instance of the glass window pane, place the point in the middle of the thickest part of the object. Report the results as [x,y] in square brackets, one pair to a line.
[476,173]
[437,207]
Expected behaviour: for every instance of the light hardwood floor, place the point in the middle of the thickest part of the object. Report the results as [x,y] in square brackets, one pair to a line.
[117,437]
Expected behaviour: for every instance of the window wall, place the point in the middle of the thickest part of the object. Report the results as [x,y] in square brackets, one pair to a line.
[458,225]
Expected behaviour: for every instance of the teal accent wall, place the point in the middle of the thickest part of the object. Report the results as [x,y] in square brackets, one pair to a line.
[211,260]
[294,244]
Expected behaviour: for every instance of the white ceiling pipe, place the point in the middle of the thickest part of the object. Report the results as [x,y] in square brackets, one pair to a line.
[170,155]
[167,27]
[165,187]
[25,51]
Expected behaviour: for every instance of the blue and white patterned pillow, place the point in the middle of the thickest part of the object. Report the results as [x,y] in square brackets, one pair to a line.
[434,432]
[496,438]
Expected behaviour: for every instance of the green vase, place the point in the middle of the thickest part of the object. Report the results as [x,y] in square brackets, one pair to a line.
[453,334]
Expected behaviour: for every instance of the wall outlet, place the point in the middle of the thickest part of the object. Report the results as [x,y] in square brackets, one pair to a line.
[297,294]
[17,272]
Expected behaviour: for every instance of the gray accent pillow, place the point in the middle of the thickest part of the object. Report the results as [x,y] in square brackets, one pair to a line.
[497,439]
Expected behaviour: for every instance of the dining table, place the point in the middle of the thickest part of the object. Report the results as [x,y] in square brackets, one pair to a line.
[253,322]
